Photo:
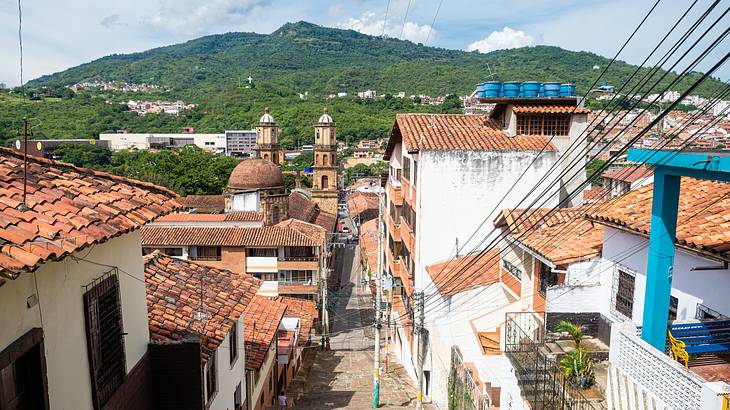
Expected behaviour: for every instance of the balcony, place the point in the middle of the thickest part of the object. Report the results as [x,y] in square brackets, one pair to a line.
[298,263]
[204,258]
[394,192]
[261,264]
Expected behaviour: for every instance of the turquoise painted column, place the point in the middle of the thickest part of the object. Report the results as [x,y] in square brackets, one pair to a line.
[661,258]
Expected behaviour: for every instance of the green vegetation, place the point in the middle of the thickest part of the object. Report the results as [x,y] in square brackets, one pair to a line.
[298,58]
[592,167]
[362,170]
[188,171]
[576,364]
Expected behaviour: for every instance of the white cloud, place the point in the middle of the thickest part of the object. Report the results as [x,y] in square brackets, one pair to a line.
[499,40]
[194,17]
[372,23]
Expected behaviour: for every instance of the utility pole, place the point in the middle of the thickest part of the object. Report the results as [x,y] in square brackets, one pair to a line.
[420,332]
[378,302]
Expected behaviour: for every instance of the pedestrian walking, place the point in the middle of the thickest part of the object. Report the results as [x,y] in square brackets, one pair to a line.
[282,400]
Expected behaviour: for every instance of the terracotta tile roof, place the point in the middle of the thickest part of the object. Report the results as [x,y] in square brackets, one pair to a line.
[628,174]
[465,272]
[304,209]
[261,323]
[519,220]
[301,207]
[305,310]
[68,209]
[225,236]
[564,237]
[173,300]
[363,204]
[549,109]
[595,194]
[238,216]
[309,230]
[296,289]
[369,243]
[703,221]
[204,202]
[457,132]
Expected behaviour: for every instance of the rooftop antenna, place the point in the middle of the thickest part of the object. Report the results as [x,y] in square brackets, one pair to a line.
[25,133]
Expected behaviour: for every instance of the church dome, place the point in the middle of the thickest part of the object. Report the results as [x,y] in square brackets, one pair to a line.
[267,118]
[326,118]
[255,173]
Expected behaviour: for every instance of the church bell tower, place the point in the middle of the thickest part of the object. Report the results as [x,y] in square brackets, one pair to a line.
[267,138]
[324,185]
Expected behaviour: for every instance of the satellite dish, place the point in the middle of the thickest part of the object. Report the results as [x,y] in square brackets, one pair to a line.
[17,145]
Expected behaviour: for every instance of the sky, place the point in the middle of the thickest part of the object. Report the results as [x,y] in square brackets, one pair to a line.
[62,34]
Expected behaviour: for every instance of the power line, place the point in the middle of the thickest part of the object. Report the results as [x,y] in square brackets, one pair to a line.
[20,39]
[430,28]
[405,16]
[385,19]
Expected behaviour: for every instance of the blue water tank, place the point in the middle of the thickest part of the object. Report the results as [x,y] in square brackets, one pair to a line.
[521,93]
[567,90]
[530,89]
[551,89]
[511,89]
[492,89]
[480,90]
[541,93]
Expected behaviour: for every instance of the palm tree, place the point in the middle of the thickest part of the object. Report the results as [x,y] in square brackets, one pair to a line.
[575,331]
[576,365]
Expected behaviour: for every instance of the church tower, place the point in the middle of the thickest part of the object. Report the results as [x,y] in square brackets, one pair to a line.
[267,139]
[324,185]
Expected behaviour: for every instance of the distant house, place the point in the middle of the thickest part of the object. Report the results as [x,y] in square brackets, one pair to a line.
[75,330]
[623,180]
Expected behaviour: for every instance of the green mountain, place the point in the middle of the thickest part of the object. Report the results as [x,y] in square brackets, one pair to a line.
[307,57]
[297,58]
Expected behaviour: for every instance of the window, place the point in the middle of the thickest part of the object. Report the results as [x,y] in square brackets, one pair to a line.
[325,182]
[238,397]
[624,301]
[406,168]
[211,377]
[275,215]
[233,342]
[512,269]
[673,305]
[543,124]
[704,312]
[207,253]
[104,337]
[269,276]
[415,172]
[261,252]
[546,279]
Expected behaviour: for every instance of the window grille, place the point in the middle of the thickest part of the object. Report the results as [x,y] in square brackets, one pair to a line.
[543,124]
[673,305]
[623,294]
[211,376]
[512,269]
[104,336]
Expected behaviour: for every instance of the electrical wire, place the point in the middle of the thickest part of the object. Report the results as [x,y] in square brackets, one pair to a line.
[20,39]
[405,16]
[430,28]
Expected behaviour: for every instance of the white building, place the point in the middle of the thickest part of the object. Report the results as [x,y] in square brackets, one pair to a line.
[74,321]
[447,173]
[211,142]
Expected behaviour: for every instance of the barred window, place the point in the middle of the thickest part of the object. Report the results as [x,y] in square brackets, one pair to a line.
[512,269]
[624,299]
[104,337]
[543,124]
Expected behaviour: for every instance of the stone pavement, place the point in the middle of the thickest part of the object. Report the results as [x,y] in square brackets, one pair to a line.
[343,378]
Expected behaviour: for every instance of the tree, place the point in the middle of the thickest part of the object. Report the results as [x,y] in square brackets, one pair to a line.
[592,167]
[576,364]
[82,155]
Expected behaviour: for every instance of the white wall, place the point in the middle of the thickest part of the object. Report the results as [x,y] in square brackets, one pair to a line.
[457,190]
[119,141]
[60,295]
[229,374]
[689,287]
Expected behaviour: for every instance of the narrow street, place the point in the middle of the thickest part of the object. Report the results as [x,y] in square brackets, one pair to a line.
[343,377]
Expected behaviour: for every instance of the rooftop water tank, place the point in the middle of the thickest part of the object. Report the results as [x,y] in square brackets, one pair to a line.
[541,93]
[530,89]
[551,89]
[567,90]
[492,89]
[480,90]
[511,89]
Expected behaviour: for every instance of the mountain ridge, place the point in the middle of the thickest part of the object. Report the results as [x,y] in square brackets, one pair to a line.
[309,57]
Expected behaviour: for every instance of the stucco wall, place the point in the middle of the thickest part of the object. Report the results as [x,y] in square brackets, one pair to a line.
[459,189]
[60,295]
[229,374]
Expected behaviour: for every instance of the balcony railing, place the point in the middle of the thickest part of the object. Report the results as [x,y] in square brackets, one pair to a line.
[541,381]
[204,258]
[312,258]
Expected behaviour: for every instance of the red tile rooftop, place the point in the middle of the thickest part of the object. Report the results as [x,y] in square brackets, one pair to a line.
[261,324]
[628,174]
[465,272]
[67,208]
[174,299]
[305,310]
[443,132]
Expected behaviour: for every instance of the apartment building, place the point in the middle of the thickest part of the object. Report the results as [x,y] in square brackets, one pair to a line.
[449,172]
[75,330]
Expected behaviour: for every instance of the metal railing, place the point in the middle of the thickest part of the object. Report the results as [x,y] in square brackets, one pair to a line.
[312,258]
[204,258]
[541,380]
